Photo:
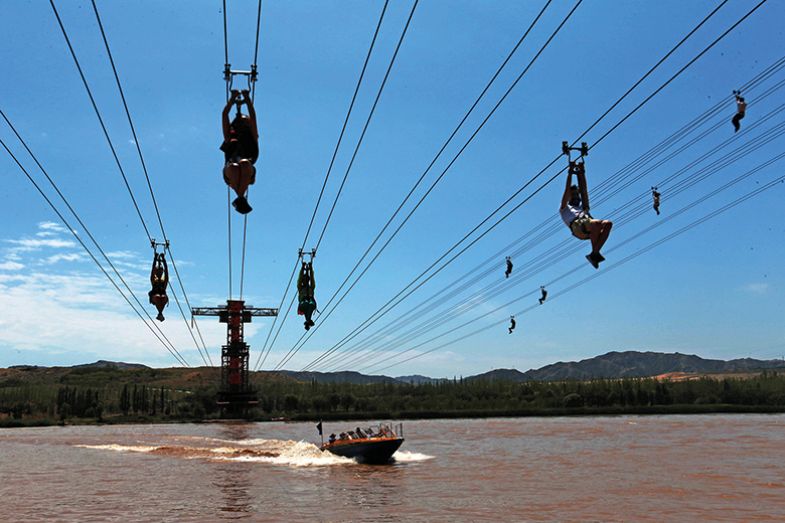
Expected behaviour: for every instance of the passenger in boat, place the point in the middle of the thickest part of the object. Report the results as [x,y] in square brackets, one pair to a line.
[574,212]
[332,438]
[342,435]
[360,433]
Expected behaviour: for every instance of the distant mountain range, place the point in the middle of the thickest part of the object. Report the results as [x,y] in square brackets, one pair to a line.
[632,364]
[627,364]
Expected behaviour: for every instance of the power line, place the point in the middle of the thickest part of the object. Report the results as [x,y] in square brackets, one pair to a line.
[378,314]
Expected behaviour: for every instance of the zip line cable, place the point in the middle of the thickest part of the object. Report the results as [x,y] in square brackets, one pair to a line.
[114,153]
[100,120]
[364,130]
[594,124]
[379,312]
[367,122]
[253,100]
[643,208]
[439,178]
[260,361]
[395,324]
[630,257]
[263,355]
[365,126]
[167,344]
[252,85]
[435,159]
[497,288]
[152,194]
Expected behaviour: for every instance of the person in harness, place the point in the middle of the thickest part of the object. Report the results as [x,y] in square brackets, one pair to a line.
[544,295]
[656,200]
[305,293]
[159,279]
[507,273]
[575,214]
[741,109]
[240,147]
[512,325]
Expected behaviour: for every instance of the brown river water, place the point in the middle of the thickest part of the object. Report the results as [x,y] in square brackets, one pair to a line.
[624,468]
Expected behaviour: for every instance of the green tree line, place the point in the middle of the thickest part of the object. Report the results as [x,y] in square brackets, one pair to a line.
[311,400]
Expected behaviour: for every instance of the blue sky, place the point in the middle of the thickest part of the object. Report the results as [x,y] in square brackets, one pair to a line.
[717,291]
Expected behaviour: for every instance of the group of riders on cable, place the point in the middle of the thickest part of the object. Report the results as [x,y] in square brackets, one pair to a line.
[241,150]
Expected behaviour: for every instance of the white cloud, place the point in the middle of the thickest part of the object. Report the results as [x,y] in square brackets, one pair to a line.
[68,257]
[33,244]
[11,266]
[756,288]
[51,226]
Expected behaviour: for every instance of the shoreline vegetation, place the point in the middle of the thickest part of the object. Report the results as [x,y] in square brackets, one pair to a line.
[80,396]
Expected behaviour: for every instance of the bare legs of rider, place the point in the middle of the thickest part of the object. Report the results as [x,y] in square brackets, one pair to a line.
[599,230]
[239,176]
[160,301]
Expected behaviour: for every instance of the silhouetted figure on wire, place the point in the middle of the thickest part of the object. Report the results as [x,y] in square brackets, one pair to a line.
[655,196]
[507,273]
[575,214]
[544,295]
[241,148]
[741,109]
[512,325]
[305,291]
[159,279]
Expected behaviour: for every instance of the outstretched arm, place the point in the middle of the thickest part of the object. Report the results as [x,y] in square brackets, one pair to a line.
[251,112]
[582,187]
[566,196]
[225,113]
[166,269]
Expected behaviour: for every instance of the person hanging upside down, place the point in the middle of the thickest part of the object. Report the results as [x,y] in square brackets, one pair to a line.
[741,109]
[241,148]
[512,325]
[656,198]
[305,291]
[509,267]
[575,213]
[159,279]
[544,294]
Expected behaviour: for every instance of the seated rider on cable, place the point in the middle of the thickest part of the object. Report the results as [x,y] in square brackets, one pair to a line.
[305,291]
[575,213]
[241,148]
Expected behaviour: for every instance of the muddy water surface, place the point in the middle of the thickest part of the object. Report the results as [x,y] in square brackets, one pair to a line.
[655,468]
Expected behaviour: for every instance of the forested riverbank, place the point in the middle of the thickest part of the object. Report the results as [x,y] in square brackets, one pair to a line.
[105,395]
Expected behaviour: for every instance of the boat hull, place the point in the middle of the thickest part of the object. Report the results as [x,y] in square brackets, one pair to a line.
[366,451]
